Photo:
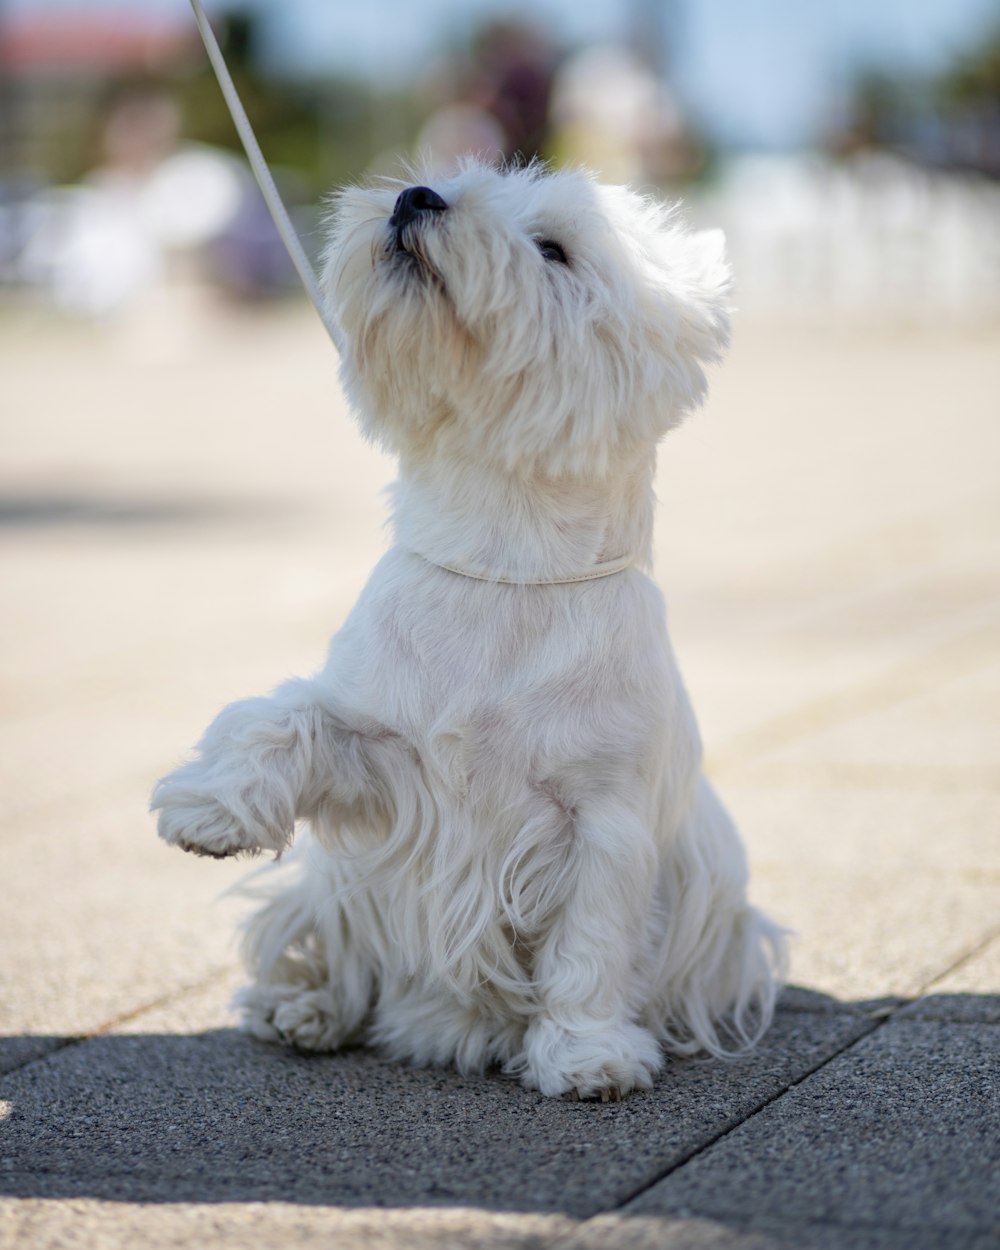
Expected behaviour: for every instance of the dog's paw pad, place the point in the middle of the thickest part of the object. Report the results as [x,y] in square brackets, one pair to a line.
[216,852]
[201,826]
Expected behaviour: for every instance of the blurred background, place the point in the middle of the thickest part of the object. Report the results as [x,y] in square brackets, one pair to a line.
[187,512]
[850,150]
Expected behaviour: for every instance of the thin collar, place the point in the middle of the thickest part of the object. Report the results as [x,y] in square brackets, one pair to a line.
[606,568]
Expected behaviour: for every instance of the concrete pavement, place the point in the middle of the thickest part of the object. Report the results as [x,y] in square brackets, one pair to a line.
[186,515]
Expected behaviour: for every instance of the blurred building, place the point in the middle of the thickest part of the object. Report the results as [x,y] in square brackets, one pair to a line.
[102,195]
[120,168]
[55,69]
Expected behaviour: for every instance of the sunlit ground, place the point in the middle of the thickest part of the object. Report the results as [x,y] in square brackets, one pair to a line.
[187,513]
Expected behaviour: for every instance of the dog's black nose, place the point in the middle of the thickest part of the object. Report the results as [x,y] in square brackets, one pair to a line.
[413,202]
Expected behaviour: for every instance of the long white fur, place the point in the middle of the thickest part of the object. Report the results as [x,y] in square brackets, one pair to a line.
[512,855]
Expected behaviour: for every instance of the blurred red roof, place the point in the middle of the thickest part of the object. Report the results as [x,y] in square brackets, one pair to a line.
[99,40]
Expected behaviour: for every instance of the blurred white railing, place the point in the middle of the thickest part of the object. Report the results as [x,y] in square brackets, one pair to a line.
[874,238]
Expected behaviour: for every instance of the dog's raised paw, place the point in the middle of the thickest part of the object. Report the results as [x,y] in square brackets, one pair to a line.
[201,826]
[194,848]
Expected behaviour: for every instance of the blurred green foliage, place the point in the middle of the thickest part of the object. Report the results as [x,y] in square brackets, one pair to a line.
[325,130]
[974,79]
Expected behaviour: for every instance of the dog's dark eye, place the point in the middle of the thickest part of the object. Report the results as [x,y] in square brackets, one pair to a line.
[551,250]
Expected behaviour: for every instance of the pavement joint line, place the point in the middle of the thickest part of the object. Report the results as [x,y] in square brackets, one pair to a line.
[875,1023]
[878,1020]
[101,1030]
[959,656]
[972,953]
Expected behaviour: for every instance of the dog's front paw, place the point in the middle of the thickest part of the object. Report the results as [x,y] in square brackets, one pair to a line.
[589,1061]
[198,823]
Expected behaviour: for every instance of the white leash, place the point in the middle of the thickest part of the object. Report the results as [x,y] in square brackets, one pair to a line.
[260,170]
[305,271]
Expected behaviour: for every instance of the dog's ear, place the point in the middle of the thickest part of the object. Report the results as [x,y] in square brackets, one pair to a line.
[704,284]
[688,283]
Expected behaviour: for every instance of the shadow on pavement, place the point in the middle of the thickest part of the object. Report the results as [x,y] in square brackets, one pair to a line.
[51,511]
[219,1117]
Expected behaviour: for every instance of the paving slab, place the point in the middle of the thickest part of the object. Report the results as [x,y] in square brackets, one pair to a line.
[210,1115]
[117,922]
[940,713]
[623,1232]
[970,992]
[883,888]
[77,1224]
[894,1138]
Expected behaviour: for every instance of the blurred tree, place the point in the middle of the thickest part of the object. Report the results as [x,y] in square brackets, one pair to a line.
[951,120]
[968,95]
[320,128]
[975,77]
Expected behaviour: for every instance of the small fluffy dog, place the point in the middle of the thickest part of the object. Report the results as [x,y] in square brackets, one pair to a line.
[513,856]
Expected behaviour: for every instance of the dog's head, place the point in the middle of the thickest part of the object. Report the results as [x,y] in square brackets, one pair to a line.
[523,317]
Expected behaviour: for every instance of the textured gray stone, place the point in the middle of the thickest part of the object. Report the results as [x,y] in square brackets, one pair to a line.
[216,1116]
[899,1134]
[15,1052]
[970,992]
[623,1232]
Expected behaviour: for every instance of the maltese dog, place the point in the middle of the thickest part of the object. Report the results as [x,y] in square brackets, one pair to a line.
[512,856]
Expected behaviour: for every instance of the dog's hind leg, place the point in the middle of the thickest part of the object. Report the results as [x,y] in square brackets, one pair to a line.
[313,978]
[584,1039]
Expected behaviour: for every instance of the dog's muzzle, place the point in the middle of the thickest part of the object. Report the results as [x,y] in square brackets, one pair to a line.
[413,205]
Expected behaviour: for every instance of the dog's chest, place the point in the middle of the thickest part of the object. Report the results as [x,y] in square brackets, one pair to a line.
[477,676]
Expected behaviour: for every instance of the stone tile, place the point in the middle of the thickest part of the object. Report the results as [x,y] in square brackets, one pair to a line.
[861,936]
[801,998]
[898,1134]
[946,723]
[624,1232]
[16,1051]
[211,1115]
[845,828]
[105,919]
[76,1223]
[769,668]
[779,470]
[970,992]
[884,890]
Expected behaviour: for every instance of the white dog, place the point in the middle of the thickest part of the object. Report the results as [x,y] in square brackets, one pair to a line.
[513,855]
